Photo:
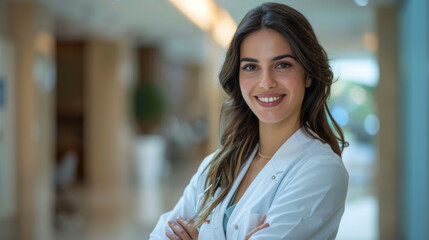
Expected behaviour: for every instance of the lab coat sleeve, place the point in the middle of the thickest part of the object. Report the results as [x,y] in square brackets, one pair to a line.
[310,204]
[186,206]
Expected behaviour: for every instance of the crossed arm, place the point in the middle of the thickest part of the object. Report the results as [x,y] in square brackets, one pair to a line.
[183,229]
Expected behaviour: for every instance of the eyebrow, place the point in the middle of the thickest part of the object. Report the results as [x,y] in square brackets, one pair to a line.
[246,59]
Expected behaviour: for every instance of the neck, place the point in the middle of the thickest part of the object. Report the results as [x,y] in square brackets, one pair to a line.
[272,136]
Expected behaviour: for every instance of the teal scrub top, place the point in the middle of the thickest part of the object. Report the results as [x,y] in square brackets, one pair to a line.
[228,212]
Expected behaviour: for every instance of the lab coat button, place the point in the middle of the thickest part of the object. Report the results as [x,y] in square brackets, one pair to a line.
[235,226]
[274,177]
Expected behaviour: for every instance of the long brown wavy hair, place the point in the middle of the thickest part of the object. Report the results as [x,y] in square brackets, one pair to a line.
[241,133]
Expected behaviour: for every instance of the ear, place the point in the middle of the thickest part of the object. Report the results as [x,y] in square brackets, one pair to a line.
[308,82]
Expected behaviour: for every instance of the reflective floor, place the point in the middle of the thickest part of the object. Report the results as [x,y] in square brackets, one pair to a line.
[137,215]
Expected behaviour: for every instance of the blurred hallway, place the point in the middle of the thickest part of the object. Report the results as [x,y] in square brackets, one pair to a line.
[107,107]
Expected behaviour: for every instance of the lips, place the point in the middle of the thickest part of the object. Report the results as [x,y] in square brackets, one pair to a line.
[269,100]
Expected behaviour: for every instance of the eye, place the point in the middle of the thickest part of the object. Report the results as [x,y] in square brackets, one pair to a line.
[249,67]
[283,65]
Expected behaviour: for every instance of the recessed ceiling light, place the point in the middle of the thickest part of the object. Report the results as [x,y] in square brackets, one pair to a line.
[210,17]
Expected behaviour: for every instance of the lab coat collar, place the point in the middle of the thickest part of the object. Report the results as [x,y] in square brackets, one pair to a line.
[221,208]
[292,146]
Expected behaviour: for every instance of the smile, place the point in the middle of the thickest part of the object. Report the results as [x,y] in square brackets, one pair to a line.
[269,101]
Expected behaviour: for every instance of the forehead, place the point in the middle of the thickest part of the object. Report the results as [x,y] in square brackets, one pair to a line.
[265,43]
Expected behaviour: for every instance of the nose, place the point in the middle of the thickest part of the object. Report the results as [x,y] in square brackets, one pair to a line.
[267,81]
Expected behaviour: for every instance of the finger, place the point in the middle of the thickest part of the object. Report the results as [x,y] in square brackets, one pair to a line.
[257,229]
[263,226]
[179,231]
[262,220]
[171,236]
[188,224]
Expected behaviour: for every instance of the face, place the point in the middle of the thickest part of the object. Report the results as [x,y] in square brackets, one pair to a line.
[272,81]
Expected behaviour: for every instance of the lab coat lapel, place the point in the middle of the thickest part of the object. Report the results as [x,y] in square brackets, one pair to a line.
[220,213]
[266,179]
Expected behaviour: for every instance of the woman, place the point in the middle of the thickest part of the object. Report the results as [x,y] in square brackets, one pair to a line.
[278,173]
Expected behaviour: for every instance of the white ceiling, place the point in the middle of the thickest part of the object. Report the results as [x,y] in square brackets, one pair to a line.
[339,24]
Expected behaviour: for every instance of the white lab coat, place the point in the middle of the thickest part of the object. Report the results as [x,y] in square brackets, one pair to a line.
[302,190]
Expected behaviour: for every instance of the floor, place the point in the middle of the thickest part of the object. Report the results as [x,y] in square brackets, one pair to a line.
[144,207]
[140,212]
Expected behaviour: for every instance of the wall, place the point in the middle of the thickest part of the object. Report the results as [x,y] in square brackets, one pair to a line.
[414,79]
[7,126]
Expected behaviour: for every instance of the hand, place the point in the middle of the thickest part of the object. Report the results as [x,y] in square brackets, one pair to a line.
[183,229]
[261,225]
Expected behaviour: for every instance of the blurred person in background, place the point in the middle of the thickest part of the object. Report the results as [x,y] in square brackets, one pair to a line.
[278,173]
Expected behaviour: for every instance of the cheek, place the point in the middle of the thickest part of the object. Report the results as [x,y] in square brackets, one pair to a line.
[297,84]
[245,88]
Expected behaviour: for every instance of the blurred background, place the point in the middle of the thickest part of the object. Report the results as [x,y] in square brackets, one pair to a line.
[107,107]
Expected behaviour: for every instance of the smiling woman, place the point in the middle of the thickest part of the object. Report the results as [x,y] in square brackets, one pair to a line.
[278,173]
[272,82]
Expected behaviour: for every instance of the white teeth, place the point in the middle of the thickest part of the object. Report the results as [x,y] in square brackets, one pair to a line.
[268,99]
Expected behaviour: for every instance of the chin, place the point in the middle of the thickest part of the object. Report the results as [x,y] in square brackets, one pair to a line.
[269,120]
[283,118]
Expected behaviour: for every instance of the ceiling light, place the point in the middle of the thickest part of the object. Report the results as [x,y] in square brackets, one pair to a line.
[200,12]
[224,28]
[208,16]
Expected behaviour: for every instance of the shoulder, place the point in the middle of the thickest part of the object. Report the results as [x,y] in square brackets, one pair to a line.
[316,172]
[316,152]
[302,152]
[320,159]
[321,154]
[316,163]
